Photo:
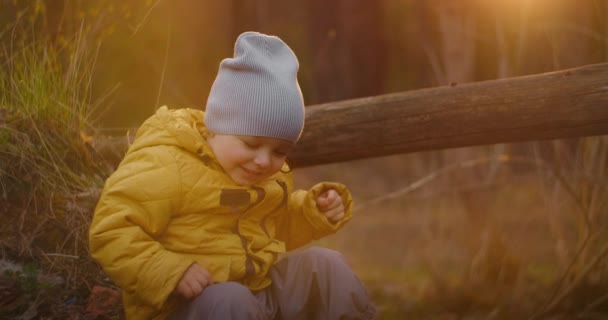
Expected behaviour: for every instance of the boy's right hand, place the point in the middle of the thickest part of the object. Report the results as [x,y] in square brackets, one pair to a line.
[193,282]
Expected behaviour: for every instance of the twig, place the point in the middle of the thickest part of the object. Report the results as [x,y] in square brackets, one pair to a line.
[162,74]
[61,255]
[430,177]
[143,20]
[592,316]
[505,158]
[564,293]
[595,303]
[544,308]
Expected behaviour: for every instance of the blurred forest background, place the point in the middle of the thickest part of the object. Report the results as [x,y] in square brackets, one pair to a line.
[507,231]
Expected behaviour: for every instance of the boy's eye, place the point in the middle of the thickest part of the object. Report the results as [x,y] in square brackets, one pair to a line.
[250,144]
[281,153]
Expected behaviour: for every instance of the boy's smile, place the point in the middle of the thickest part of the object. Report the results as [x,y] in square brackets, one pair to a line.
[249,159]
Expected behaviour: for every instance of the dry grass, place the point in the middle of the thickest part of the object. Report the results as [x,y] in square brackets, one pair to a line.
[49,176]
[480,235]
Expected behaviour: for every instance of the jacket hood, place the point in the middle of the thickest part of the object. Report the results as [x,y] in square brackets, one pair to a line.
[182,128]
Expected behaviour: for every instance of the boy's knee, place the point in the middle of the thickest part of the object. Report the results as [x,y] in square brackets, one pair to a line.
[322,255]
[227,292]
[226,300]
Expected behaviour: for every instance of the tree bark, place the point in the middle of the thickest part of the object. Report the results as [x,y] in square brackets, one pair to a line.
[563,104]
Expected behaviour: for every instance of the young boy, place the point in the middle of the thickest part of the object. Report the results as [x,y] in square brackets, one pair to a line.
[195,221]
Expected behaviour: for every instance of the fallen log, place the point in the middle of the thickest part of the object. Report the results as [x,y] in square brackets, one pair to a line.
[563,104]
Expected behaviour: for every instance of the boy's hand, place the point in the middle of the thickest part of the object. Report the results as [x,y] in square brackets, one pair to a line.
[330,204]
[193,282]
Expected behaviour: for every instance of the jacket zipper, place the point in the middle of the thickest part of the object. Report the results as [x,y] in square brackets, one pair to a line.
[277,208]
[249,267]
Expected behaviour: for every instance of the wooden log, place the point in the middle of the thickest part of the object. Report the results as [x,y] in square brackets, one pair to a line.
[563,104]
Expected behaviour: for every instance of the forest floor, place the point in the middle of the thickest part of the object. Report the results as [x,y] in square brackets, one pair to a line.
[421,256]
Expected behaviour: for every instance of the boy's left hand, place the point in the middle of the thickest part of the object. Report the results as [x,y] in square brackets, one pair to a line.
[330,204]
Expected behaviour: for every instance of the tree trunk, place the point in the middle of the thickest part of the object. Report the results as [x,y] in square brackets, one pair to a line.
[348,57]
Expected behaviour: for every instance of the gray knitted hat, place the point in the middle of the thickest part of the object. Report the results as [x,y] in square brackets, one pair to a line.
[256,93]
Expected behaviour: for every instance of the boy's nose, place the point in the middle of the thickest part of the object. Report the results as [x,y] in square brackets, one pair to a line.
[262,159]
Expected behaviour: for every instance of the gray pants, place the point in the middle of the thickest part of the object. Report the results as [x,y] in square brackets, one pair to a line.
[314,283]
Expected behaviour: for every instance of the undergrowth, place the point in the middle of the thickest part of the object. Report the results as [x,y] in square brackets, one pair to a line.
[49,174]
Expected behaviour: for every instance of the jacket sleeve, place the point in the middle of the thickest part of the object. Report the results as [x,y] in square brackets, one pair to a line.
[134,209]
[304,222]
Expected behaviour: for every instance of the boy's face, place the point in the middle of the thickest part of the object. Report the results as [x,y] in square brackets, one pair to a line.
[248,159]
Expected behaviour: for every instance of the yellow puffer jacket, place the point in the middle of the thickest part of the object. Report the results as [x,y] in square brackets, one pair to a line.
[169,205]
